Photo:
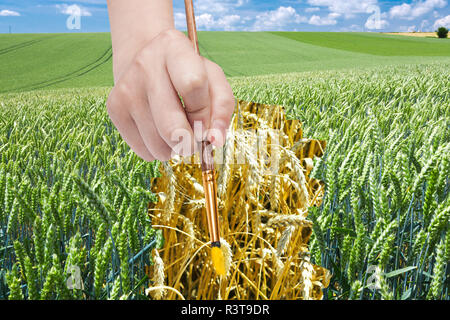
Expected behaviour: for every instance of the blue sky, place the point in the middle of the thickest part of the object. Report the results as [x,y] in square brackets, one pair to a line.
[241,15]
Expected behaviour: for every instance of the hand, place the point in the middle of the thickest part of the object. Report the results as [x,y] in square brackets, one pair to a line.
[145,106]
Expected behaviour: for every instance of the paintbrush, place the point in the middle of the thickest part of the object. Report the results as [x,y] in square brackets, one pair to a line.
[207,164]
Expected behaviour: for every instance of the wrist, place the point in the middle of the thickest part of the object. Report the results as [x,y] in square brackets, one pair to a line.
[134,25]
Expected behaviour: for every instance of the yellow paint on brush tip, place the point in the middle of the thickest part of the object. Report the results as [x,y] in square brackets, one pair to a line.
[218,260]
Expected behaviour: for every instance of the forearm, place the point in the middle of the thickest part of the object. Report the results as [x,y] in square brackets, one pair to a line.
[133,24]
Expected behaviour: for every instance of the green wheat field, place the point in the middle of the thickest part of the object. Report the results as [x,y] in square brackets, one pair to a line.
[73,194]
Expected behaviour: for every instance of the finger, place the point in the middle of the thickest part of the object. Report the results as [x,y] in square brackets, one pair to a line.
[140,113]
[188,75]
[143,118]
[222,103]
[124,123]
[168,114]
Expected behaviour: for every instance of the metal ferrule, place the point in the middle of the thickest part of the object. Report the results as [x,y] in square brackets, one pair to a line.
[212,212]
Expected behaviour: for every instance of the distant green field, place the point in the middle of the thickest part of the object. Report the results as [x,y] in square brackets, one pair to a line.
[36,61]
[373,43]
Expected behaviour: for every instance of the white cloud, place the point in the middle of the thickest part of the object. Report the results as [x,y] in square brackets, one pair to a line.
[348,8]
[352,28]
[88,1]
[312,9]
[228,23]
[5,13]
[400,11]
[210,6]
[443,22]
[206,21]
[416,9]
[329,20]
[423,25]
[217,6]
[407,29]
[376,21]
[213,15]
[241,3]
[73,10]
[180,20]
[277,19]
[373,24]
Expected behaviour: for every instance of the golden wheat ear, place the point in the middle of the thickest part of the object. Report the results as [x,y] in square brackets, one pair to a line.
[217,258]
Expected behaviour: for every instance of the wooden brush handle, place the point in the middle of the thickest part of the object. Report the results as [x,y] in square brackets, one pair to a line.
[206,154]
[190,22]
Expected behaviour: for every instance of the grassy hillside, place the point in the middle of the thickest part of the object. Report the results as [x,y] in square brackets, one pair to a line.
[38,61]
[35,61]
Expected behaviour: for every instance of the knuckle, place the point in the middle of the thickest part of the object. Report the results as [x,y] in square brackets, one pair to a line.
[162,42]
[213,66]
[217,67]
[122,93]
[110,103]
[113,103]
[227,102]
[119,100]
[143,57]
[193,82]
[167,130]
[166,37]
[169,35]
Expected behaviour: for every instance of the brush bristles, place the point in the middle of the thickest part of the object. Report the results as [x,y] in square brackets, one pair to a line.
[218,260]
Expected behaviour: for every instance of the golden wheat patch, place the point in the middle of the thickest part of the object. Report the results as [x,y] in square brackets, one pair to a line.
[263,215]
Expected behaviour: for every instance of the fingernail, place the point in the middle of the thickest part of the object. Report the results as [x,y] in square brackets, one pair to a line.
[218,133]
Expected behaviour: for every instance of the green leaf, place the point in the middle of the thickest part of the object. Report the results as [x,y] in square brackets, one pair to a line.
[406,294]
[399,271]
